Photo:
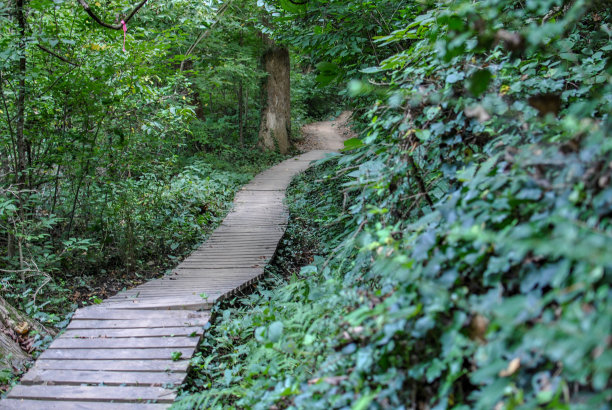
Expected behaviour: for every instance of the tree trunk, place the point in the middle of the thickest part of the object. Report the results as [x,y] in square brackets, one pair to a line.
[21,97]
[246,108]
[275,128]
[241,113]
[16,331]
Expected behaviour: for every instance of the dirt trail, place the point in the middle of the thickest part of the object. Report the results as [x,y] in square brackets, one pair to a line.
[326,135]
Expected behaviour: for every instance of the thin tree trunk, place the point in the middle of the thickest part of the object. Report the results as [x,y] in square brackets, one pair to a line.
[9,124]
[240,113]
[21,97]
[246,108]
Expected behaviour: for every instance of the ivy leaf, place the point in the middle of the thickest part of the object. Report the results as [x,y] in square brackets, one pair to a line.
[479,82]
[275,331]
[454,77]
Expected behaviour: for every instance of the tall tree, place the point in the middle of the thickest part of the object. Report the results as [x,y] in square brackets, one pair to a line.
[275,128]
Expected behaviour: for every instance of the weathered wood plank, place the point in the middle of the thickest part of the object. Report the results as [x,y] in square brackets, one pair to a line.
[116,354]
[164,304]
[93,393]
[21,404]
[191,286]
[114,365]
[133,324]
[131,333]
[102,313]
[124,343]
[109,378]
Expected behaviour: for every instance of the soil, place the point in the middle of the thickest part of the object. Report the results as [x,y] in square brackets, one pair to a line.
[326,135]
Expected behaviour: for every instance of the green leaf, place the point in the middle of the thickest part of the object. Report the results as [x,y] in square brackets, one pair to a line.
[275,331]
[328,72]
[352,143]
[364,401]
[479,82]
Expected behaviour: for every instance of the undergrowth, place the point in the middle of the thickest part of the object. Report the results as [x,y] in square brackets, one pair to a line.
[144,225]
[262,345]
[471,265]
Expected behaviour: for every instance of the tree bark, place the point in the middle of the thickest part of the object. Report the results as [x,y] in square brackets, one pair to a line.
[275,128]
[241,113]
[15,336]
[22,149]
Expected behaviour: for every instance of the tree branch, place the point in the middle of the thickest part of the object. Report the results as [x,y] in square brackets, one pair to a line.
[98,20]
[64,59]
[205,33]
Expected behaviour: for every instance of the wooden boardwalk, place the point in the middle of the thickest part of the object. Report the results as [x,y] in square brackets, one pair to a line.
[131,351]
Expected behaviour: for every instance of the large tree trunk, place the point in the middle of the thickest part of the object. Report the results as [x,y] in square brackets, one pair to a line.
[275,128]
[16,336]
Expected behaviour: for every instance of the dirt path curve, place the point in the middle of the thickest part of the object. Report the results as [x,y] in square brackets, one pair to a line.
[326,135]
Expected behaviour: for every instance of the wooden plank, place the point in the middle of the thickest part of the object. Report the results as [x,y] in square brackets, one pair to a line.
[21,404]
[237,252]
[198,277]
[220,261]
[192,282]
[219,258]
[246,240]
[234,235]
[124,343]
[166,304]
[232,254]
[131,333]
[109,378]
[231,247]
[160,293]
[93,393]
[203,265]
[204,274]
[114,365]
[109,314]
[242,243]
[194,285]
[133,324]
[180,289]
[175,289]
[116,354]
[238,263]
[172,304]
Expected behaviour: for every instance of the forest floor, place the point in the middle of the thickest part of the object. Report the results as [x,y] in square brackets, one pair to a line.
[326,134]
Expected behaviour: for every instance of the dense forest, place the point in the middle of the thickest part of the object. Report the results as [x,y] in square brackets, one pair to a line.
[456,254]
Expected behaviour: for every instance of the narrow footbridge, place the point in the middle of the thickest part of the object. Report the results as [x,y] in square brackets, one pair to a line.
[133,350]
